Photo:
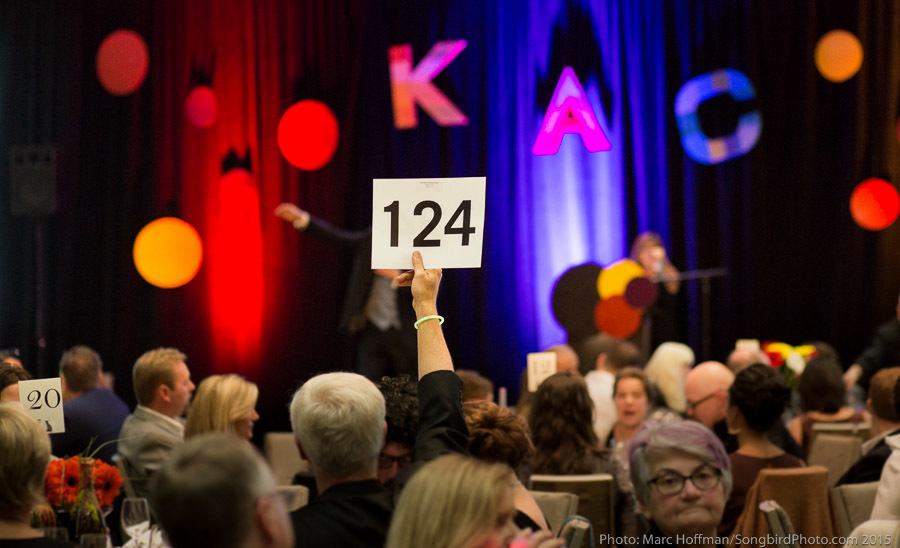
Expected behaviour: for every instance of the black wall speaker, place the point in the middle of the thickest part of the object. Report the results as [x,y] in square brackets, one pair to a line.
[32,177]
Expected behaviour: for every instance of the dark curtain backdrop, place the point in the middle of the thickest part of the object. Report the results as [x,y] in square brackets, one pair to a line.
[776,218]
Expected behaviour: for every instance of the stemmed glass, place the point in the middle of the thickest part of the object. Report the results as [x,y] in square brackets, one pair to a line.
[135,518]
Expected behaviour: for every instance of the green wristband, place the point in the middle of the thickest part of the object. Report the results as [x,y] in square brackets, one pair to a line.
[424,319]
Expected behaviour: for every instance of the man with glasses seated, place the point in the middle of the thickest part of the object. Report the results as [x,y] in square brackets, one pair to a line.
[706,388]
[682,478]
[402,417]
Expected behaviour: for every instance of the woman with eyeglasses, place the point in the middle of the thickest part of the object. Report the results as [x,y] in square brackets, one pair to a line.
[756,400]
[682,478]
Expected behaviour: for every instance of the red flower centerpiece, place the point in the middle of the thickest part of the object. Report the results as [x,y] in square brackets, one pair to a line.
[82,491]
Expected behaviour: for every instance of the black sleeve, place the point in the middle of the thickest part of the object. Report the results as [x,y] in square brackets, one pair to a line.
[325,230]
[442,429]
[874,357]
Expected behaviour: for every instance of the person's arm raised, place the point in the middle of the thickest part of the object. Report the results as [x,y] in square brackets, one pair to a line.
[433,352]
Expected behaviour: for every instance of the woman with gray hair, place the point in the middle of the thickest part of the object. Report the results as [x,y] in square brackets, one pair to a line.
[682,478]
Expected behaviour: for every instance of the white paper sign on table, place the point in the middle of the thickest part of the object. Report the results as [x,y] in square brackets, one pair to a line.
[540,366]
[42,398]
[441,218]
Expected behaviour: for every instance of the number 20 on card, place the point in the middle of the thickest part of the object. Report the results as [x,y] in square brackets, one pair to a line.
[442,218]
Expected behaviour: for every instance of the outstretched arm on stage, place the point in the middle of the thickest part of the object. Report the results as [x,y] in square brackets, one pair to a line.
[303,221]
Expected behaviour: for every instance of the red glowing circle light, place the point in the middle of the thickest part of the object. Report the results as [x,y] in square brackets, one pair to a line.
[308,135]
[875,204]
[201,106]
[122,62]
[615,317]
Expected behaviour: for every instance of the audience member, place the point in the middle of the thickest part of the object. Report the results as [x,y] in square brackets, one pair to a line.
[93,414]
[631,393]
[562,430]
[163,388]
[566,361]
[223,403]
[745,357]
[11,356]
[706,389]
[497,435]
[338,421]
[10,375]
[666,369]
[682,478]
[822,395]
[883,406]
[216,490]
[607,355]
[884,351]
[475,386]
[24,454]
[756,400]
[887,498]
[460,502]
[402,416]
[561,424]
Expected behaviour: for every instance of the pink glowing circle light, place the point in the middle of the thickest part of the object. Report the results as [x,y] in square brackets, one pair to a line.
[201,106]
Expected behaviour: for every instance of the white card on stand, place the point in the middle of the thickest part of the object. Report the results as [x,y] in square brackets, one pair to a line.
[42,398]
[540,366]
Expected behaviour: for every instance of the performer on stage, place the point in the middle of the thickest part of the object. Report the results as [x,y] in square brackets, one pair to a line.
[648,250]
[378,315]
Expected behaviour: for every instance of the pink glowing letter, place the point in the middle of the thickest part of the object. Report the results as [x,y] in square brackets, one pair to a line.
[569,112]
[409,85]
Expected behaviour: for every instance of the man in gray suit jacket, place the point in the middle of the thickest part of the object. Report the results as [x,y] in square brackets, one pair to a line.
[163,388]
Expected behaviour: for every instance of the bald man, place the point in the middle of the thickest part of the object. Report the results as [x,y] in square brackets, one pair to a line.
[706,388]
[742,358]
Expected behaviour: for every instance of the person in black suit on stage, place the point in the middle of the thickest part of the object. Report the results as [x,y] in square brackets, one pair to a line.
[374,312]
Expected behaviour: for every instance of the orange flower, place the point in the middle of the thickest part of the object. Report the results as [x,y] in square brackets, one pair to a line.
[107,482]
[62,481]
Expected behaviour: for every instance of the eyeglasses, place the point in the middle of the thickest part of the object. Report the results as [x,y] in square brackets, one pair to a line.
[693,404]
[670,482]
[386,461]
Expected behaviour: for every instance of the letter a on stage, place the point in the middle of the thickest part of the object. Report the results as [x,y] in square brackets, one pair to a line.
[569,112]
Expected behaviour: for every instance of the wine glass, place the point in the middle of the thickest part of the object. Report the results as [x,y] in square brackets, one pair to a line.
[135,518]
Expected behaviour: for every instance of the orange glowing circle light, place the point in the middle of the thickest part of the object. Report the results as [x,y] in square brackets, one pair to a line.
[875,204]
[122,62]
[308,135]
[168,252]
[201,106]
[839,55]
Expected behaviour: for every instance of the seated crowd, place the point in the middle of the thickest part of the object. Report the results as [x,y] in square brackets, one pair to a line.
[433,461]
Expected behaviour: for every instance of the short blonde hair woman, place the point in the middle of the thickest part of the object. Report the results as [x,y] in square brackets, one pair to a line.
[24,454]
[223,403]
[459,502]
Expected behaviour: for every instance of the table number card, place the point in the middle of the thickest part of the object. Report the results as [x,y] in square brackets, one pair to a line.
[540,366]
[42,398]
